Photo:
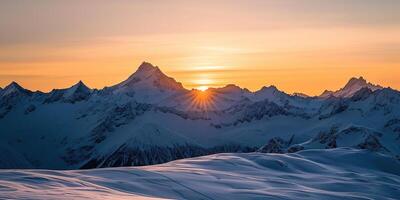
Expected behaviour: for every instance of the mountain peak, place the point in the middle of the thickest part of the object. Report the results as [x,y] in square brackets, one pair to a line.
[14,87]
[269,88]
[80,82]
[147,82]
[352,87]
[80,86]
[75,93]
[356,82]
[230,88]
[145,71]
[146,66]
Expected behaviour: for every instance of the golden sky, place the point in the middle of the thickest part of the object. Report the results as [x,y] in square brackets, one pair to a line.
[299,45]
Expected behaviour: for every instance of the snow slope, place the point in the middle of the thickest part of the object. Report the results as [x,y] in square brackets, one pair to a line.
[341,173]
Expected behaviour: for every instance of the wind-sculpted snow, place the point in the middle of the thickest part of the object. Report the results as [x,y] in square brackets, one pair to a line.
[313,174]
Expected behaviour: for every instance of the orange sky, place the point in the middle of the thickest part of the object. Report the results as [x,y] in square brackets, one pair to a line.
[299,46]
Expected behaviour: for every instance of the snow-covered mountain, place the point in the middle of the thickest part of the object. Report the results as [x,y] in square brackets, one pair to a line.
[14,89]
[76,93]
[148,84]
[150,118]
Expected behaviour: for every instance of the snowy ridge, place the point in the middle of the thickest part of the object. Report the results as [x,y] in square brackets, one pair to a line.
[314,174]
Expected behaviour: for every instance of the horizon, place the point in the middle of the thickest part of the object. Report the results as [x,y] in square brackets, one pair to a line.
[200,88]
[291,44]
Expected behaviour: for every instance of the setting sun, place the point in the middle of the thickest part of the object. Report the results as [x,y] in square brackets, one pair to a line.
[202,88]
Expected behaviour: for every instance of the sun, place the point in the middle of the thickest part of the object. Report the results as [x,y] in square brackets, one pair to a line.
[202,88]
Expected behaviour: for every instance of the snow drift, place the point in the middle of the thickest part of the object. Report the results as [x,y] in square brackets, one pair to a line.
[312,174]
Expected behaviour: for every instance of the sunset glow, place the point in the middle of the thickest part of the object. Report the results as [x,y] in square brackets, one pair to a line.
[291,44]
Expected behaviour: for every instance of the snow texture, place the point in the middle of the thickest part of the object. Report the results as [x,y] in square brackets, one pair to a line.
[313,174]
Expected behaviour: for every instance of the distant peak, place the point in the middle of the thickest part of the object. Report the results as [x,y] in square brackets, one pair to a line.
[227,88]
[145,70]
[146,66]
[352,86]
[13,85]
[232,87]
[80,86]
[271,87]
[146,77]
[358,81]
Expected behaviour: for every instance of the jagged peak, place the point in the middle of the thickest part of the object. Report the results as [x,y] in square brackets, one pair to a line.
[356,81]
[148,76]
[268,88]
[14,87]
[145,71]
[352,86]
[228,88]
[80,84]
[361,82]
[77,92]
[78,87]
[146,66]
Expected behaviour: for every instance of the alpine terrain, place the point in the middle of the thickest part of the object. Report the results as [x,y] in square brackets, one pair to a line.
[151,118]
[341,144]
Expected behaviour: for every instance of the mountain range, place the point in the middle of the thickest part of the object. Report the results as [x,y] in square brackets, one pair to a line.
[151,118]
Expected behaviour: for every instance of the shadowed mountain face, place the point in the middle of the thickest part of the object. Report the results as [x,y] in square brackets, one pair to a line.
[151,118]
